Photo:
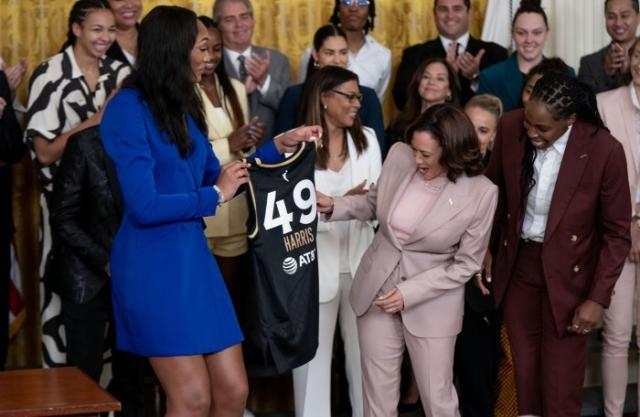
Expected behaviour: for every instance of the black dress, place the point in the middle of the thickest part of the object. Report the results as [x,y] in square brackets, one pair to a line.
[11,150]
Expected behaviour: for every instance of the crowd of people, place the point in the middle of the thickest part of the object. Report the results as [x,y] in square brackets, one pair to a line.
[501,199]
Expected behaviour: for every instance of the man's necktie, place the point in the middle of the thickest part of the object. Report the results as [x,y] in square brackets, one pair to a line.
[455,47]
[242,70]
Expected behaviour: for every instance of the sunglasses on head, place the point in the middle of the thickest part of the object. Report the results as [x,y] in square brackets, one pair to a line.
[359,3]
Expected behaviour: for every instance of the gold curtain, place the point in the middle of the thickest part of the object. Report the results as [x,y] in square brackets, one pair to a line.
[35,29]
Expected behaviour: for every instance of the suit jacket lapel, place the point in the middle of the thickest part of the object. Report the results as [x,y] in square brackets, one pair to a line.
[626,107]
[473,46]
[453,198]
[402,175]
[574,161]
[231,70]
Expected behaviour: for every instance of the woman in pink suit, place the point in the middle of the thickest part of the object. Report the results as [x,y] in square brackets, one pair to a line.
[435,212]
[620,110]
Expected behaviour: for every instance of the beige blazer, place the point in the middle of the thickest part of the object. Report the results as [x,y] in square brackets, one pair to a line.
[618,114]
[231,217]
[443,253]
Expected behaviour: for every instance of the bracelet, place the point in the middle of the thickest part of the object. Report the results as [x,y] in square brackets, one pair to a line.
[220,195]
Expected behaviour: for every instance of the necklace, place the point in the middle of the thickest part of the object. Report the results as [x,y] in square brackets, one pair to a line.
[435,184]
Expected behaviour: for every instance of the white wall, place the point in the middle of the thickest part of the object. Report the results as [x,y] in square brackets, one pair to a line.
[576,26]
[577,29]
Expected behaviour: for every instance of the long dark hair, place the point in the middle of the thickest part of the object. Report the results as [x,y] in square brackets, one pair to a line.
[322,81]
[452,129]
[335,17]
[164,75]
[321,35]
[563,96]
[228,92]
[78,14]
[413,108]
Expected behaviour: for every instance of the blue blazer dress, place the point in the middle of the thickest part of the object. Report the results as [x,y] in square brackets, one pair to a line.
[168,295]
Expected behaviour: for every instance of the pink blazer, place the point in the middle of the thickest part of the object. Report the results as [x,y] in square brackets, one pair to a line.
[618,114]
[443,253]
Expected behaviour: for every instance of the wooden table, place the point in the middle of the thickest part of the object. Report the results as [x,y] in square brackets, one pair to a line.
[52,392]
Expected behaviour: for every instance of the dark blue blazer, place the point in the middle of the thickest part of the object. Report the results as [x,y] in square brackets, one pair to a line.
[370,112]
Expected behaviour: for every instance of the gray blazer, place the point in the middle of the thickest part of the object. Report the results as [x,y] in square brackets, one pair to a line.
[265,106]
[592,72]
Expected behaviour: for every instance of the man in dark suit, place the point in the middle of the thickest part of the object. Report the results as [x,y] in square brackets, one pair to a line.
[265,72]
[465,53]
[603,69]
[11,150]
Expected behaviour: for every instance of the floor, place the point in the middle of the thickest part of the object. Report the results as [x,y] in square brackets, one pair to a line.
[281,406]
[273,397]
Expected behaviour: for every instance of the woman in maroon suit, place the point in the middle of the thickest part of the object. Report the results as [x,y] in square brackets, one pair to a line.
[564,236]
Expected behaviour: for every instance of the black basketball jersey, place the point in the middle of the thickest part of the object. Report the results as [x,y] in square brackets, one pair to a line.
[280,317]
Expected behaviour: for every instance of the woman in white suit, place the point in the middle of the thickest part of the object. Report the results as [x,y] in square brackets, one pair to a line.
[620,111]
[348,162]
[435,211]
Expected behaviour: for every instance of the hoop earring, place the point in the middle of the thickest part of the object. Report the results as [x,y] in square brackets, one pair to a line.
[316,64]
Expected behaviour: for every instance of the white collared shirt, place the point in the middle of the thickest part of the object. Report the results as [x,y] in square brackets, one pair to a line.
[545,172]
[233,57]
[372,64]
[463,41]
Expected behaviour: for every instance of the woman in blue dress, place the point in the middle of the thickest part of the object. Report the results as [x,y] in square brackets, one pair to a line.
[170,302]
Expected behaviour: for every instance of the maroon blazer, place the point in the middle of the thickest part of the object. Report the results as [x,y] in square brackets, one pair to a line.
[587,235]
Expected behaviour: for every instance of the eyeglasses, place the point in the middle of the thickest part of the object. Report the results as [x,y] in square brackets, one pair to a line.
[359,3]
[350,96]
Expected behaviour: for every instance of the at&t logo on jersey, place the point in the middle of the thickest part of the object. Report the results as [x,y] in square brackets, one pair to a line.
[290,265]
[277,215]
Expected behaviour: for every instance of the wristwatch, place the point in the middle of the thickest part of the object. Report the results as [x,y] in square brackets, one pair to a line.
[220,195]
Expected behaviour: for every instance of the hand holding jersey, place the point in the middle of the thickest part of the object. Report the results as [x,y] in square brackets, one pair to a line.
[232,176]
[288,142]
[324,203]
[235,174]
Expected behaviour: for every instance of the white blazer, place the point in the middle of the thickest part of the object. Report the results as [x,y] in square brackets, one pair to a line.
[365,166]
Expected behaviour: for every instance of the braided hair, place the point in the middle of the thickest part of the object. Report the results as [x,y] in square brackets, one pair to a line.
[563,97]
